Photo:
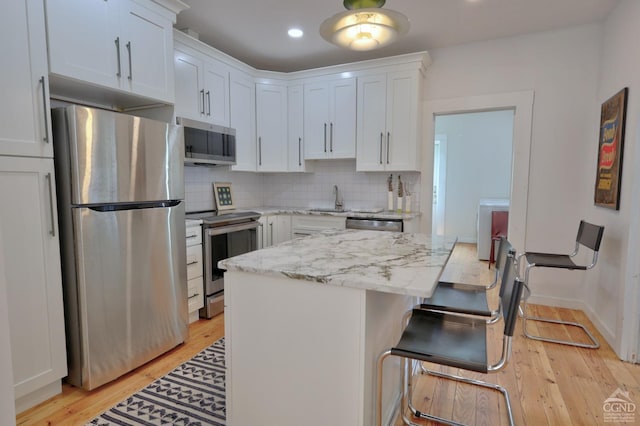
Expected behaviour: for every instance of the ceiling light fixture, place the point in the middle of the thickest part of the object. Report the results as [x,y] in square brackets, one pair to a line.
[295,32]
[364,26]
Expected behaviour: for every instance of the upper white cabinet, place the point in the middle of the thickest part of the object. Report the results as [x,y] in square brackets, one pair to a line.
[31,250]
[242,117]
[125,45]
[202,87]
[295,105]
[330,119]
[271,127]
[389,121]
[25,124]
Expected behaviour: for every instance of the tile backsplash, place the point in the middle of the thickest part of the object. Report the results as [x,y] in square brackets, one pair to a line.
[359,190]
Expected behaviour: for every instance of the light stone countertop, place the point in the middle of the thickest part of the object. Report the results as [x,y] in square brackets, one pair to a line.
[391,262]
[384,214]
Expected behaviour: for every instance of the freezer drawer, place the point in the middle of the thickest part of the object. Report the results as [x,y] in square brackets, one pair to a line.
[131,288]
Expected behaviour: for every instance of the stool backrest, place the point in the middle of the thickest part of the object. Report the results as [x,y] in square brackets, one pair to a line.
[504,247]
[511,292]
[590,235]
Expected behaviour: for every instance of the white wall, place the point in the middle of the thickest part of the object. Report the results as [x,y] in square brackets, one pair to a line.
[478,166]
[561,67]
[612,294]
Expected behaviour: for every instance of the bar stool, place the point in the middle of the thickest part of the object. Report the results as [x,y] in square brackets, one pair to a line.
[455,341]
[590,236]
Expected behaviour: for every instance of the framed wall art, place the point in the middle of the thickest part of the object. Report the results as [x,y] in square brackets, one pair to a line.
[223,195]
[610,150]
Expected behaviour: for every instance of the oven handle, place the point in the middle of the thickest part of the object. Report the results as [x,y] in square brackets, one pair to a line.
[231,228]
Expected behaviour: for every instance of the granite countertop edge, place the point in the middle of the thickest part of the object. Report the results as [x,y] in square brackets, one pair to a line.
[385,214]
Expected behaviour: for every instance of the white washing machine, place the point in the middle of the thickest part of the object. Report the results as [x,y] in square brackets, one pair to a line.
[485,207]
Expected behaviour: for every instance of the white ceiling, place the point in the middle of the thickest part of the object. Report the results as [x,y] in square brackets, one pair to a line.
[255,31]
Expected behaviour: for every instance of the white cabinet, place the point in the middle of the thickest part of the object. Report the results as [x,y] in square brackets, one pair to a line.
[117,44]
[273,229]
[389,122]
[202,87]
[25,124]
[271,127]
[28,219]
[330,119]
[195,283]
[295,132]
[242,117]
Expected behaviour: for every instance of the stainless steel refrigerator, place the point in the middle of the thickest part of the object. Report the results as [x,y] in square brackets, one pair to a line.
[121,211]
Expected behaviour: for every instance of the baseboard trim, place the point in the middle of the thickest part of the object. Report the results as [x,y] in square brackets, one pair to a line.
[36,397]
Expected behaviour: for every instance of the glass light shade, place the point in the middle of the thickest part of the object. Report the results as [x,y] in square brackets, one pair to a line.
[364,29]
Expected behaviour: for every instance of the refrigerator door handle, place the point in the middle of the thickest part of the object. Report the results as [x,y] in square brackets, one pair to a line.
[134,206]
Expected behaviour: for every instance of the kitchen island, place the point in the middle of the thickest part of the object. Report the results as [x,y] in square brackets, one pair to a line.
[305,321]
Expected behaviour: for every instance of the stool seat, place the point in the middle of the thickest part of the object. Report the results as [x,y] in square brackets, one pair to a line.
[462,299]
[435,337]
[550,260]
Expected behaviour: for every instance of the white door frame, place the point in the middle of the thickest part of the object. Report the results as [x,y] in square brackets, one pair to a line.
[438,220]
[522,102]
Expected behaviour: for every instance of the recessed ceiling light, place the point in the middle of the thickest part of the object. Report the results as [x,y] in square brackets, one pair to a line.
[295,32]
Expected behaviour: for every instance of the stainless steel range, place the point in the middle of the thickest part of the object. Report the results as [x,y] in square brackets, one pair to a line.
[225,234]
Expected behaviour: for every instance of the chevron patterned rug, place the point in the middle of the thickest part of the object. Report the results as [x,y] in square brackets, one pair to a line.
[192,394]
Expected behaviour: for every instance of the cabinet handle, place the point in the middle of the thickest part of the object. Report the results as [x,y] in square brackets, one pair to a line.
[44,108]
[271,234]
[381,136]
[192,263]
[192,236]
[195,295]
[202,93]
[388,136]
[117,41]
[130,67]
[53,225]
[259,150]
[331,139]
[299,151]
[325,137]
[209,102]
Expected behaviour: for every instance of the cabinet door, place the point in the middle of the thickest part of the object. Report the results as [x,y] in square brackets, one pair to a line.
[403,123]
[371,123]
[216,93]
[282,228]
[25,125]
[342,123]
[271,127]
[32,268]
[295,105]
[316,120]
[146,52]
[84,40]
[242,117]
[189,94]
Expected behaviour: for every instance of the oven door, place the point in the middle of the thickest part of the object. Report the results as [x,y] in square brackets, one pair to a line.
[222,243]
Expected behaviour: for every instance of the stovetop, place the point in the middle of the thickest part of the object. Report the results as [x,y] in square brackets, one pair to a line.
[220,218]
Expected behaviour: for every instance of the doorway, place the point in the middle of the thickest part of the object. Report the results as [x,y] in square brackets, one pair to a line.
[472,166]
[522,105]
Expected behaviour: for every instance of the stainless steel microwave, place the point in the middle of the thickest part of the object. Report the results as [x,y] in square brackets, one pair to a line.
[207,144]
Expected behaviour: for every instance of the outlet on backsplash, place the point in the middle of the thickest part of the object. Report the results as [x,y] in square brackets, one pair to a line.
[357,190]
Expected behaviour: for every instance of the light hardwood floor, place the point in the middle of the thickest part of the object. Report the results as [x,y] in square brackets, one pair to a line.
[549,384]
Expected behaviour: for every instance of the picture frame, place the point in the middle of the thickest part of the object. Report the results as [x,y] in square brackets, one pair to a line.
[610,151]
[223,194]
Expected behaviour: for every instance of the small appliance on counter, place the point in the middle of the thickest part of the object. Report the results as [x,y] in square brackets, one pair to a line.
[226,232]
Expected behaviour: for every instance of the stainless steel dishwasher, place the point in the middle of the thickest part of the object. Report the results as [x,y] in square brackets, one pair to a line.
[371,224]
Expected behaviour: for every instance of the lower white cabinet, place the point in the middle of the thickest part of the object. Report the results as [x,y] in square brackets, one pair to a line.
[195,283]
[273,229]
[31,252]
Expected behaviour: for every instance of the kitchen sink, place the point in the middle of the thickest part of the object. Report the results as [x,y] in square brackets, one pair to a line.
[328,210]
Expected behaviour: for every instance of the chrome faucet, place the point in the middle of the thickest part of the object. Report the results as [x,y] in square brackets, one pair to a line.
[338,202]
